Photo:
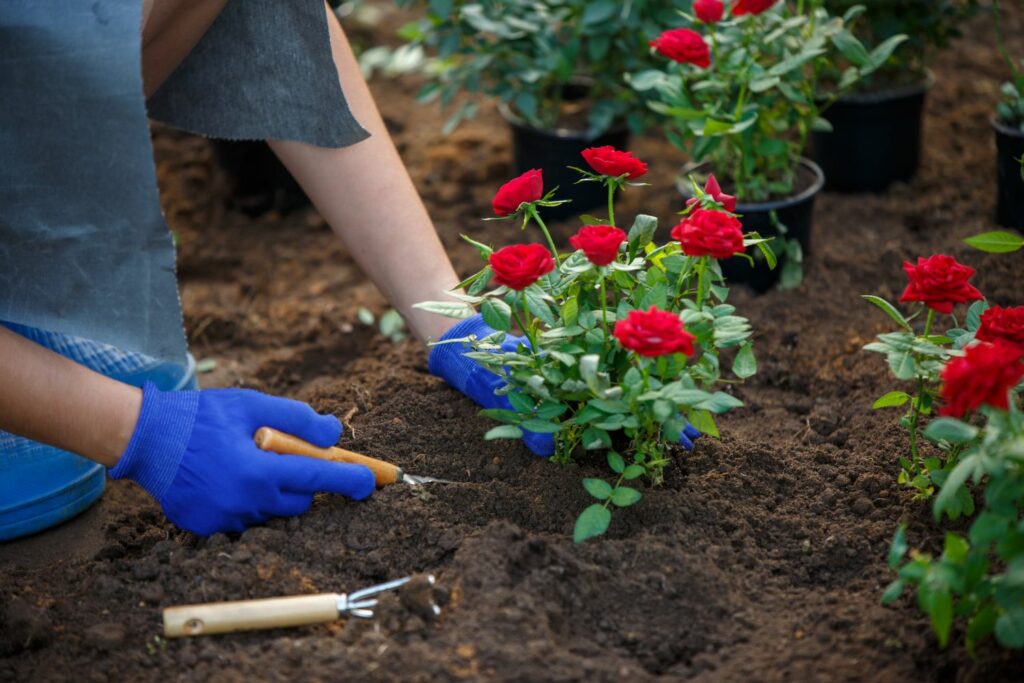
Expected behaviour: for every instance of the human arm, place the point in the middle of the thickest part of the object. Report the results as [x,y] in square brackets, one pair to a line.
[365,194]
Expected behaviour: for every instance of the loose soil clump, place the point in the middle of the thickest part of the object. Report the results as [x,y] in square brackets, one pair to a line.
[761,557]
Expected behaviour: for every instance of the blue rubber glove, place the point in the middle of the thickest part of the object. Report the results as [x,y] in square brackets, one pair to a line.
[477,382]
[448,362]
[194,452]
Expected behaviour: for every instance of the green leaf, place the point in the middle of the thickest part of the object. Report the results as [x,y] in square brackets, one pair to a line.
[365,316]
[538,306]
[704,422]
[851,48]
[594,437]
[449,309]
[951,430]
[941,613]
[902,364]
[497,314]
[720,402]
[955,548]
[616,462]
[598,488]
[956,479]
[592,522]
[981,625]
[889,309]
[599,11]
[641,233]
[1010,628]
[521,402]
[996,242]
[503,432]
[744,365]
[541,426]
[894,591]
[880,55]
[624,496]
[632,472]
[898,548]
[893,399]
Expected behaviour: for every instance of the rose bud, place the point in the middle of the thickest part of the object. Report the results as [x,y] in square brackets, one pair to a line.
[609,161]
[940,282]
[654,333]
[715,190]
[600,243]
[529,187]
[984,376]
[520,265]
[710,233]
[683,45]
[709,11]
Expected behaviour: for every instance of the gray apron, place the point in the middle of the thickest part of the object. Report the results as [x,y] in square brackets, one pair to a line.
[84,249]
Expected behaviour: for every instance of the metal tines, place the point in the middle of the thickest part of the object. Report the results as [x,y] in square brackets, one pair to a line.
[361,603]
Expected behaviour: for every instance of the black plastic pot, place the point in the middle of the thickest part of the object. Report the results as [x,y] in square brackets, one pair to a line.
[795,214]
[875,140]
[1009,151]
[259,181]
[553,151]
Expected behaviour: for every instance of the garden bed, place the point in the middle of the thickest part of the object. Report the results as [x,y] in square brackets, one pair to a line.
[762,557]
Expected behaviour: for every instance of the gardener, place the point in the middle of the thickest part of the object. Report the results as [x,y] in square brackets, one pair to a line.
[87,291]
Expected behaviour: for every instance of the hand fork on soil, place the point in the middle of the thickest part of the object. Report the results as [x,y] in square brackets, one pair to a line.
[385,473]
[255,615]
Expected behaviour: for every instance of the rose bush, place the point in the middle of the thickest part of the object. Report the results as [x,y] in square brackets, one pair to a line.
[628,338]
[971,378]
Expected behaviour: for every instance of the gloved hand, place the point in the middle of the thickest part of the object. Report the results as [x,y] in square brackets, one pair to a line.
[194,452]
[448,362]
[477,382]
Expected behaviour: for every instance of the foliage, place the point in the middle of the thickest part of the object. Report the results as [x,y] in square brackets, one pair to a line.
[391,324]
[751,111]
[527,53]
[929,25]
[575,379]
[996,242]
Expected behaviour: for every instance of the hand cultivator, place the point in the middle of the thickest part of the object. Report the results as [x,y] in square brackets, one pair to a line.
[296,610]
[384,472]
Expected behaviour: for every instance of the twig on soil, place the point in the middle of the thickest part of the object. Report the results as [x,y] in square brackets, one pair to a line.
[345,419]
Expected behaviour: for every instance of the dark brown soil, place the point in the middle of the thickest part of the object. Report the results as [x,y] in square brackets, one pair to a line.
[761,558]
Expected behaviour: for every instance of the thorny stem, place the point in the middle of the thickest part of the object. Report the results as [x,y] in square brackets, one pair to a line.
[702,265]
[604,315]
[611,202]
[532,211]
[915,416]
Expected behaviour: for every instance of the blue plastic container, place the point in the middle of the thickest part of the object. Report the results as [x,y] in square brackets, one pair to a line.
[44,486]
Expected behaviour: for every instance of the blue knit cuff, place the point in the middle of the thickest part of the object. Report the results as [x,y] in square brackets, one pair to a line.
[447,360]
[161,436]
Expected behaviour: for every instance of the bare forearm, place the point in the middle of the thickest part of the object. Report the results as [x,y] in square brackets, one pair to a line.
[53,400]
[367,197]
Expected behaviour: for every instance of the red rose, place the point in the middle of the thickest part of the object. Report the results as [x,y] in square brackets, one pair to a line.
[709,11]
[654,333]
[939,281]
[528,187]
[1002,323]
[599,242]
[710,233]
[742,7]
[520,265]
[685,46]
[609,161]
[982,377]
[715,190]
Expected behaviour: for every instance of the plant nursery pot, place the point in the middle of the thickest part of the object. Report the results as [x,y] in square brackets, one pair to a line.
[796,213]
[1009,151]
[259,181]
[553,151]
[43,486]
[875,139]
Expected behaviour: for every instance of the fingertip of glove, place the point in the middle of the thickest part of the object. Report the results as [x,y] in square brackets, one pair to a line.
[691,432]
[541,445]
[685,442]
[325,430]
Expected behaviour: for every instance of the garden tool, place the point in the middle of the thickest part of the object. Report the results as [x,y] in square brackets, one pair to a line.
[385,473]
[295,610]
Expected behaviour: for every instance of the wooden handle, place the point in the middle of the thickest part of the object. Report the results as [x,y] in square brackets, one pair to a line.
[270,439]
[249,615]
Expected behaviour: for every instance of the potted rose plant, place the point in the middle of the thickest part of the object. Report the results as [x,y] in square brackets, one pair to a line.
[623,339]
[1009,129]
[741,91]
[875,136]
[556,68]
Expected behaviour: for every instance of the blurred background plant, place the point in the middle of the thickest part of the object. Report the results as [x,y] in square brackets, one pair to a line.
[530,53]
[1010,110]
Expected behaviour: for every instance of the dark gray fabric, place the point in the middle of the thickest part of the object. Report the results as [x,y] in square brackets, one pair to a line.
[83,245]
[84,249]
[264,70]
